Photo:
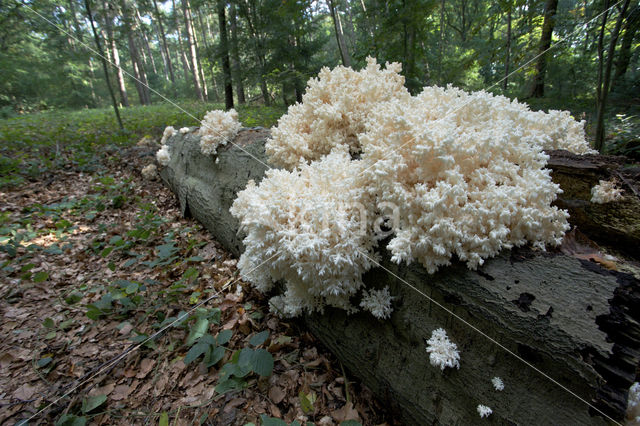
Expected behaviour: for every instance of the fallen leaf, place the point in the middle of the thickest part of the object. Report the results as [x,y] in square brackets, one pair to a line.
[146,365]
[120,392]
[347,412]
[276,394]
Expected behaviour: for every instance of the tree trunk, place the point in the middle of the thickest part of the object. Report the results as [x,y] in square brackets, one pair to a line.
[224,53]
[122,88]
[624,57]
[165,48]
[104,64]
[141,83]
[235,55]
[337,25]
[550,7]
[563,315]
[193,54]
[145,39]
[181,54]
[603,84]
[508,52]
[259,53]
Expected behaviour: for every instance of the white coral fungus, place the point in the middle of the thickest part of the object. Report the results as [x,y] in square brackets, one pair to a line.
[498,384]
[168,132]
[443,352]
[217,129]
[333,112]
[633,406]
[305,227]
[465,171]
[184,130]
[605,192]
[149,171]
[378,302]
[163,156]
[484,411]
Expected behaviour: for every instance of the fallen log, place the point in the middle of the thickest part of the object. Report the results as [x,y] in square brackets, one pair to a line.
[562,332]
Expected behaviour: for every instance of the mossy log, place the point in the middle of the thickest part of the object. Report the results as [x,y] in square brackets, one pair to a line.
[569,318]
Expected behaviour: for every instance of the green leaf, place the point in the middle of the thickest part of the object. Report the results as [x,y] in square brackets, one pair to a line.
[48,323]
[71,420]
[74,297]
[195,352]
[350,423]
[259,338]
[197,330]
[216,355]
[131,288]
[224,336]
[93,402]
[164,419]
[306,402]
[229,385]
[50,335]
[244,359]
[262,362]
[271,421]
[40,276]
[106,251]
[43,362]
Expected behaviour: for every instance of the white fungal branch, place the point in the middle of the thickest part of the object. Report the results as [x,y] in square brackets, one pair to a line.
[464,174]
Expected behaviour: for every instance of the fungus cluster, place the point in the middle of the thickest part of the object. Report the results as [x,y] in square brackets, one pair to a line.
[605,192]
[463,175]
[217,129]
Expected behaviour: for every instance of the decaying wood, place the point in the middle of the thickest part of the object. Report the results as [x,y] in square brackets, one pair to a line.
[569,318]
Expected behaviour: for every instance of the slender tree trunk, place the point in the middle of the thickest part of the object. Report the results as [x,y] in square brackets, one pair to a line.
[203,80]
[259,53]
[235,55]
[224,52]
[104,64]
[507,59]
[94,98]
[606,80]
[337,25]
[193,54]
[550,7]
[165,48]
[624,57]
[122,89]
[183,57]
[145,39]
[141,83]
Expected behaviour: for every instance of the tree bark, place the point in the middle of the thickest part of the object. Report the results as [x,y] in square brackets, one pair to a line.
[624,57]
[337,25]
[604,83]
[193,54]
[258,50]
[145,39]
[163,37]
[104,64]
[122,88]
[224,53]
[181,54]
[235,52]
[566,316]
[141,83]
[550,7]
[507,59]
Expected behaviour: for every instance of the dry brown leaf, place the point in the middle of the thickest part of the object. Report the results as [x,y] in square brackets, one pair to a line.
[146,365]
[276,394]
[347,412]
[120,392]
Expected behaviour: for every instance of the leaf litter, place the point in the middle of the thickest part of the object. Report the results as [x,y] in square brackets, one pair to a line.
[92,263]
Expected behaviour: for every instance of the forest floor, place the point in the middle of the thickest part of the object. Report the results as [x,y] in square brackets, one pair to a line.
[93,263]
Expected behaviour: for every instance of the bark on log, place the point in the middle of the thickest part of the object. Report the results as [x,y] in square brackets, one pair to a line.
[569,318]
